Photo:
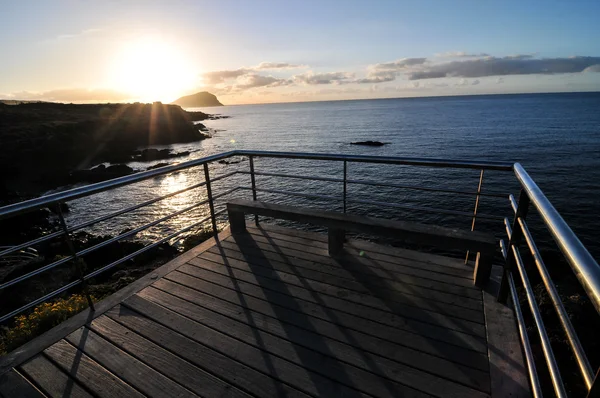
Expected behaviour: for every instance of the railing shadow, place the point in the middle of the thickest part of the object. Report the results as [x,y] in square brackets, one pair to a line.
[302,320]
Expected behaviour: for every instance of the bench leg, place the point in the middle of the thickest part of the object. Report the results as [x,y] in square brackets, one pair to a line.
[237,221]
[336,241]
[483,269]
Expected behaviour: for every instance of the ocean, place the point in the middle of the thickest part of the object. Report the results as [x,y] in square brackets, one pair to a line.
[556,137]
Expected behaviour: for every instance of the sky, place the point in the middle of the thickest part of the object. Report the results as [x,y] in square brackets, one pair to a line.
[285,51]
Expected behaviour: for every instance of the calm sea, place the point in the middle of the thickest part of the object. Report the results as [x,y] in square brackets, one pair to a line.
[555,136]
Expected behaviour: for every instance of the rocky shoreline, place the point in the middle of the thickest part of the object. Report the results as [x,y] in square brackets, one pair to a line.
[48,145]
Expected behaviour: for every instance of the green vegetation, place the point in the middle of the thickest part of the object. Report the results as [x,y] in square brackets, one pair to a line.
[43,318]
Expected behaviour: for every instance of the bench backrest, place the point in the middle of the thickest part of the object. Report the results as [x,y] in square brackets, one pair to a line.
[338,223]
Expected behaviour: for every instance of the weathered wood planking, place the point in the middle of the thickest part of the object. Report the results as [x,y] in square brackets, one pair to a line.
[413,358]
[293,263]
[163,361]
[269,314]
[51,380]
[87,372]
[134,372]
[328,312]
[181,315]
[380,252]
[182,336]
[321,354]
[13,384]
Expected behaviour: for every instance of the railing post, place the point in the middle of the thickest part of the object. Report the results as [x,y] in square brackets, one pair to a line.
[253,178]
[475,209]
[595,388]
[514,239]
[210,199]
[76,259]
[345,183]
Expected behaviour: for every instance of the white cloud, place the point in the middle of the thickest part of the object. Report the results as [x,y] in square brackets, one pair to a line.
[323,78]
[73,95]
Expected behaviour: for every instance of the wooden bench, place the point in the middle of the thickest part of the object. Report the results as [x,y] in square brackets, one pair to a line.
[337,223]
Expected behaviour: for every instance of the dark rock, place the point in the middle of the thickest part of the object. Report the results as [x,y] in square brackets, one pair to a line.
[43,142]
[101,173]
[369,143]
[159,165]
[148,155]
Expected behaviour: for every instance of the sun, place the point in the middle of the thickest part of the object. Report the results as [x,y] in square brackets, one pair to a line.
[152,70]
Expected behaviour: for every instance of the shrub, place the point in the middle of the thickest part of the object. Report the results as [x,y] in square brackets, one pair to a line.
[44,317]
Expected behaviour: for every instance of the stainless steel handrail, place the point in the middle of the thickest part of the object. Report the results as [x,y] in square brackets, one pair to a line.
[585,267]
[529,359]
[582,360]
[583,264]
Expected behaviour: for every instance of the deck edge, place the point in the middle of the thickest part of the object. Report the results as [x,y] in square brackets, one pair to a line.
[40,343]
[508,372]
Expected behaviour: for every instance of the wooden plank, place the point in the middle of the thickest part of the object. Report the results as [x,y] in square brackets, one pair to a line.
[434,235]
[309,349]
[508,372]
[88,372]
[13,384]
[163,361]
[379,251]
[390,256]
[309,270]
[394,271]
[367,321]
[344,267]
[271,278]
[309,308]
[203,356]
[129,369]
[189,324]
[461,337]
[51,380]
[324,326]
[37,345]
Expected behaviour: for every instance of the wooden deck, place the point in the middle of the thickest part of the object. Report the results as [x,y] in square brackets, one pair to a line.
[269,313]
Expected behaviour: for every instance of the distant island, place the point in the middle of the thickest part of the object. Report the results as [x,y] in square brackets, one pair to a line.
[198,100]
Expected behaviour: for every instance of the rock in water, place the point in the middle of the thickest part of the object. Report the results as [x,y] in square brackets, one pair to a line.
[369,143]
[198,100]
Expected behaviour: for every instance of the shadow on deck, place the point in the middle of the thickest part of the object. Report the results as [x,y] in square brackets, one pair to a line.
[269,313]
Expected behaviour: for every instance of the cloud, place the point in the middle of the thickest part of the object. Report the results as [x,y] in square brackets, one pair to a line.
[592,68]
[220,76]
[73,95]
[398,65]
[522,64]
[387,71]
[323,78]
[253,80]
[85,32]
[460,54]
[277,65]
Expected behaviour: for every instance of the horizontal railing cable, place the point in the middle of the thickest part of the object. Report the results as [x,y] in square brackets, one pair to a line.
[109,216]
[109,241]
[582,263]
[529,358]
[557,382]
[580,356]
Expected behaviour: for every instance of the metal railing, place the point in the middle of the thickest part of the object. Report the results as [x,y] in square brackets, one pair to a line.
[585,267]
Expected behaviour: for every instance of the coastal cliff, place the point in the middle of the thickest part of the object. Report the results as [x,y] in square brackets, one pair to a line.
[42,143]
